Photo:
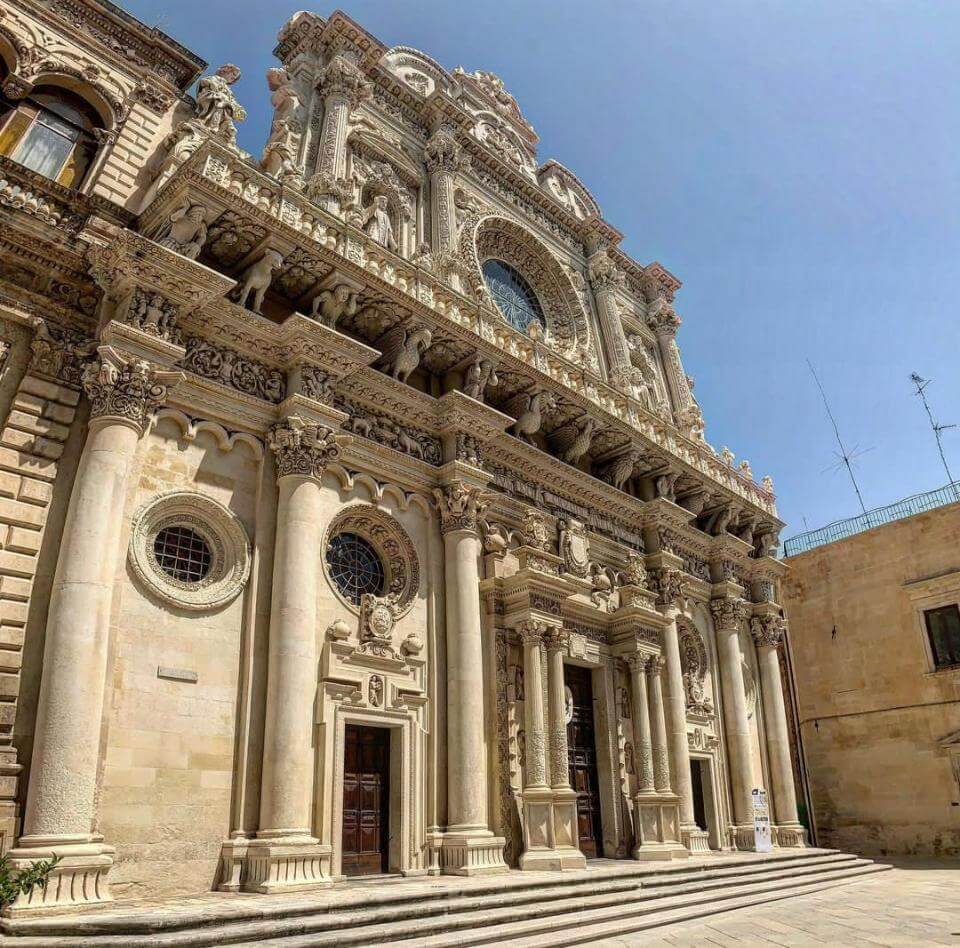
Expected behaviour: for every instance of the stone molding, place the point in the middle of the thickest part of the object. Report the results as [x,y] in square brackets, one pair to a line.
[217,525]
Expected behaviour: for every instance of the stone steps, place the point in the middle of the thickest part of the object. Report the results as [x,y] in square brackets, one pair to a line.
[625,897]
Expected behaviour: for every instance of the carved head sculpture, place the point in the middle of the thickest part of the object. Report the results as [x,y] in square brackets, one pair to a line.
[229,73]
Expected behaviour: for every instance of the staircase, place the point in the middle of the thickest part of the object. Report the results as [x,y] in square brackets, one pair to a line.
[520,909]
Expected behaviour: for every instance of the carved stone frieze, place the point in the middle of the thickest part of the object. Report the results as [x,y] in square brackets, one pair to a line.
[228,367]
[155,315]
[60,353]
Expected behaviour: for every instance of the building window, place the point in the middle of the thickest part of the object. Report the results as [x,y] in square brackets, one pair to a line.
[512,294]
[355,567]
[943,627]
[182,554]
[52,132]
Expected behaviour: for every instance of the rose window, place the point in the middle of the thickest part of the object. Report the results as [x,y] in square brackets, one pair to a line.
[355,567]
[512,294]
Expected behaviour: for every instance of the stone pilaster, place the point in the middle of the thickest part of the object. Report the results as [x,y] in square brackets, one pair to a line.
[469,848]
[343,87]
[767,630]
[285,854]
[729,614]
[61,815]
[606,278]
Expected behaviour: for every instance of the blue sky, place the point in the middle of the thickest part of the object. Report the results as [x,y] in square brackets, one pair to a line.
[794,162]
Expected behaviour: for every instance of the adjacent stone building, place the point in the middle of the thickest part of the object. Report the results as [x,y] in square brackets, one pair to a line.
[875,642]
[357,514]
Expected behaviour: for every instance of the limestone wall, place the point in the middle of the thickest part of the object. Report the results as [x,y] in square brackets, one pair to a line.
[875,718]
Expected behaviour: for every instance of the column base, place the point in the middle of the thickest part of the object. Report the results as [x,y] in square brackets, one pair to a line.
[744,838]
[695,839]
[477,853]
[791,836]
[78,879]
[658,832]
[286,863]
[233,864]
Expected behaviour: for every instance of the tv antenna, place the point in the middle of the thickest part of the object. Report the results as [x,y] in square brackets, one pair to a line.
[938,429]
[845,457]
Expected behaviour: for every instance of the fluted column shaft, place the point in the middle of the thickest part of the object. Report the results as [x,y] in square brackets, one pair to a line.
[536,760]
[559,757]
[661,765]
[641,723]
[735,717]
[778,736]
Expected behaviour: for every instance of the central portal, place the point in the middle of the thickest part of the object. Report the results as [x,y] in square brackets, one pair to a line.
[582,754]
[366,796]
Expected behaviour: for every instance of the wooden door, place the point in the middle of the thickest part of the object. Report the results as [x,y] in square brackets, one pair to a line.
[582,753]
[366,797]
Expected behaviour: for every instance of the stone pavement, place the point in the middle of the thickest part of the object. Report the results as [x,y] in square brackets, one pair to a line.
[916,904]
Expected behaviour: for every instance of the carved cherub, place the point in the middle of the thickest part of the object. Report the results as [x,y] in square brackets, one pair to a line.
[185,232]
[528,410]
[257,277]
[401,350]
[479,375]
[329,306]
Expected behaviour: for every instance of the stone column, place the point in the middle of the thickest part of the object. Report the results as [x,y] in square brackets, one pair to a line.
[642,739]
[531,634]
[286,854]
[469,848]
[729,613]
[565,829]
[661,764]
[669,597]
[343,86]
[605,278]
[61,815]
[768,634]
[443,158]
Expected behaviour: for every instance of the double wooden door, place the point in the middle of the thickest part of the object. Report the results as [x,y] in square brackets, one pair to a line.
[366,800]
[582,754]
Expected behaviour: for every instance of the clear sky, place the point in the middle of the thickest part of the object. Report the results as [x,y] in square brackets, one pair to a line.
[794,162]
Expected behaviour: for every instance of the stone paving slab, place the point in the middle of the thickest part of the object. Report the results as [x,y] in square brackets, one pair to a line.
[916,904]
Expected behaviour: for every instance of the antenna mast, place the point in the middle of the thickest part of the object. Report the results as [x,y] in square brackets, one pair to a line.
[921,385]
[845,456]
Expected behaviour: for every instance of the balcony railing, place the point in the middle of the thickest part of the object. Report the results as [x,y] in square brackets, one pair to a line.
[840,529]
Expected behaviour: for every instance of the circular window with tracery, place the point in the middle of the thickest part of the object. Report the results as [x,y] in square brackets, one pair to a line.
[368,551]
[355,567]
[189,550]
[512,294]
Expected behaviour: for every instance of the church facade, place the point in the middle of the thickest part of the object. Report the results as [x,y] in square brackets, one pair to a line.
[357,511]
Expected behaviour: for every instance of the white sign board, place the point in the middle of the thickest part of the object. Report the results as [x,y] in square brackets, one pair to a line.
[761,821]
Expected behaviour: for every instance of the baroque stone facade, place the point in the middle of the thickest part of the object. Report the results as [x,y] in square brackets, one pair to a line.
[369,462]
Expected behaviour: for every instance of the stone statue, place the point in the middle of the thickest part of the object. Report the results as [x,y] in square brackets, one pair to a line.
[257,277]
[494,537]
[528,410]
[572,441]
[401,350]
[283,96]
[376,222]
[217,108]
[329,306]
[479,375]
[185,232]
[280,152]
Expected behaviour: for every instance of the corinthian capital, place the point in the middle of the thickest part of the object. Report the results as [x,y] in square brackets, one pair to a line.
[603,272]
[533,631]
[460,506]
[767,630]
[342,77]
[302,448]
[668,585]
[442,153]
[128,390]
[729,612]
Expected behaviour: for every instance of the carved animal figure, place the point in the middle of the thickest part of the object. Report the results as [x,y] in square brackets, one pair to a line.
[618,471]
[401,350]
[408,444]
[494,537]
[479,375]
[572,441]
[528,410]
[185,232]
[329,306]
[665,485]
[257,277]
